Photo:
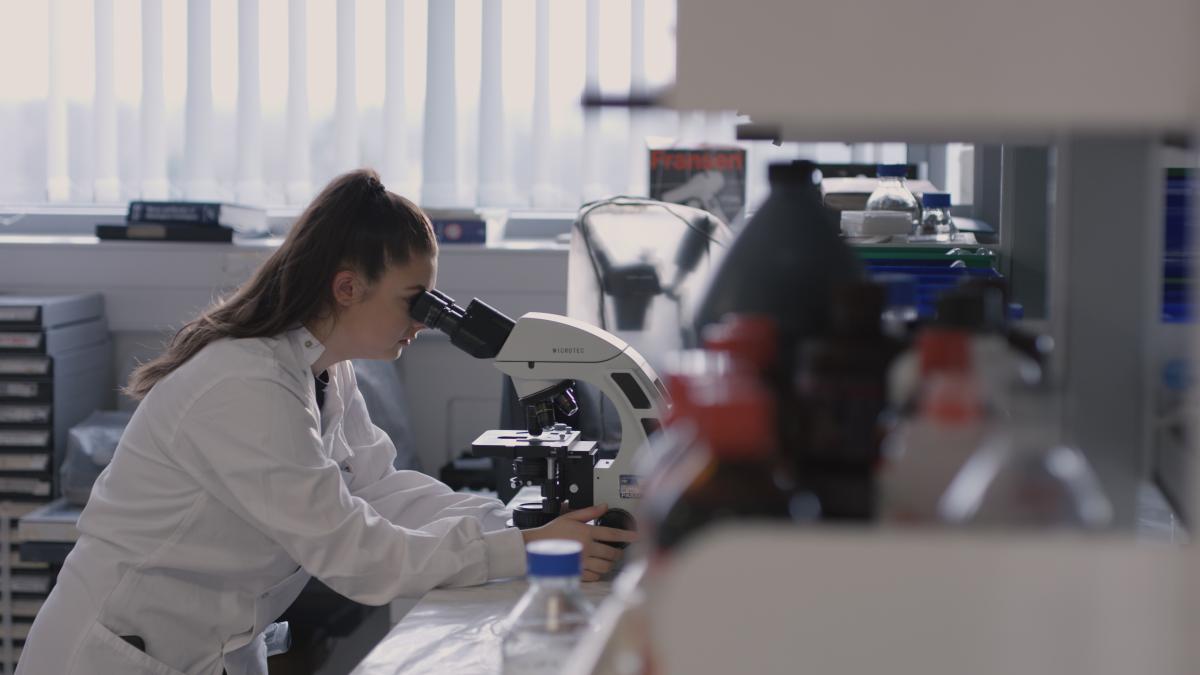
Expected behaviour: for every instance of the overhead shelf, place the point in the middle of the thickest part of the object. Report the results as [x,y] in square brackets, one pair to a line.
[880,70]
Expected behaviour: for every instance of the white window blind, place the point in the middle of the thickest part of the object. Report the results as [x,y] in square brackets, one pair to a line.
[494,179]
[199,174]
[440,157]
[298,166]
[249,177]
[393,166]
[346,116]
[106,187]
[152,164]
[456,102]
[57,164]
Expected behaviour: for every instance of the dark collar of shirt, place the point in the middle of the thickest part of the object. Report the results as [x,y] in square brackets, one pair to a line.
[322,381]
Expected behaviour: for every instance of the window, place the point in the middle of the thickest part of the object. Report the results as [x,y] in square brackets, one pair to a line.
[117,99]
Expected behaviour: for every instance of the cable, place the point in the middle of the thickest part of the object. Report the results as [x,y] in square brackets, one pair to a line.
[628,200]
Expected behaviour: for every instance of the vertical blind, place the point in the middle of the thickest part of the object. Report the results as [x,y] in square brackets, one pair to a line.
[456,102]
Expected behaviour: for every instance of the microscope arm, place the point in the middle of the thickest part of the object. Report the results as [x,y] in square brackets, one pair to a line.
[545,354]
[551,348]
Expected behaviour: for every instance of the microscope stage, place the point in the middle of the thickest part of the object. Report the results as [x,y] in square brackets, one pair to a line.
[513,443]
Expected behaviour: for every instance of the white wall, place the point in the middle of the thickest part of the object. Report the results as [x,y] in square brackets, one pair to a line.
[150,289]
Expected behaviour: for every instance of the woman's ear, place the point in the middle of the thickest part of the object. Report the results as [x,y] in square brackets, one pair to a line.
[348,288]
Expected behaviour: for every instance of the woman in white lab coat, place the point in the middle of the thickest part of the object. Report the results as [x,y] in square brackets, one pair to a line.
[251,465]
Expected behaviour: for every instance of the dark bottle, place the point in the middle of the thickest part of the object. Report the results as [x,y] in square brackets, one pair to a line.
[731,470]
[840,397]
[784,263]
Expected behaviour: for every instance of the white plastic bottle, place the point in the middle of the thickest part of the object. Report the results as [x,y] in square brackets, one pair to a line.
[547,622]
[1023,476]
[997,365]
[924,453]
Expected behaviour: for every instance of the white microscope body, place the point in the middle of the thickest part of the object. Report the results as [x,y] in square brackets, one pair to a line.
[546,354]
[543,350]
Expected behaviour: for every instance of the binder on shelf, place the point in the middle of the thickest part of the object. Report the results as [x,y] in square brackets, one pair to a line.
[25,461]
[42,394]
[49,311]
[64,363]
[24,440]
[21,413]
[79,382]
[13,509]
[26,390]
[26,450]
[33,583]
[23,487]
[55,340]
[55,369]
[25,364]
[47,552]
[20,629]
[17,562]
[26,607]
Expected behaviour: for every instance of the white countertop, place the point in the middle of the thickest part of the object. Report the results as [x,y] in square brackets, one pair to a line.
[454,630]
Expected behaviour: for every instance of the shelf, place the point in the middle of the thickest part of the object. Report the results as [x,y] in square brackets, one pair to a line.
[943,70]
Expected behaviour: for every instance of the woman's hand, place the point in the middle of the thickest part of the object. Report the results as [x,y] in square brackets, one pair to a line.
[598,557]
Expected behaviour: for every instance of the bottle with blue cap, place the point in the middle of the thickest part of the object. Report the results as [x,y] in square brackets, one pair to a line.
[893,195]
[547,622]
[935,216]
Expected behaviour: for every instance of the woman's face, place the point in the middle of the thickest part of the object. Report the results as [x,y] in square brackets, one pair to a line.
[378,326]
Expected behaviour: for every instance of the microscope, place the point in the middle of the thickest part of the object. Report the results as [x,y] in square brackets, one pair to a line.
[545,354]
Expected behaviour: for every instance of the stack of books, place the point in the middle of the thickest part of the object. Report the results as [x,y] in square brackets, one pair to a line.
[186,221]
[55,369]
[452,226]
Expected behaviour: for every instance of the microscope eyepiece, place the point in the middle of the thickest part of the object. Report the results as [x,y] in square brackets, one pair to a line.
[435,309]
[479,330]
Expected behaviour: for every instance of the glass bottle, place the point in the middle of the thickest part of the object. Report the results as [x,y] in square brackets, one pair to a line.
[893,195]
[547,622]
[935,216]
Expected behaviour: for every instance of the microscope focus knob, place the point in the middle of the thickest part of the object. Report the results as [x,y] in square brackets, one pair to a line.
[618,519]
[530,515]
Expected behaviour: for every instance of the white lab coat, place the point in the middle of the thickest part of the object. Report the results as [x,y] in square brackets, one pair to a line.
[224,496]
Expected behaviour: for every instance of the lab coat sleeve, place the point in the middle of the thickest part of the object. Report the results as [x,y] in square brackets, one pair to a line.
[253,445]
[411,498]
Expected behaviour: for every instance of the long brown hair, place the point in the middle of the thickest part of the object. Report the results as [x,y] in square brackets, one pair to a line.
[353,224]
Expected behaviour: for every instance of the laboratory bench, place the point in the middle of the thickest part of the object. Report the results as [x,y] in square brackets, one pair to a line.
[455,630]
[458,630]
